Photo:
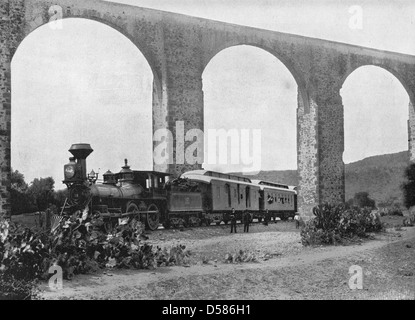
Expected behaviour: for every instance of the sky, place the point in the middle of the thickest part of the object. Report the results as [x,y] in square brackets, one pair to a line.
[88,83]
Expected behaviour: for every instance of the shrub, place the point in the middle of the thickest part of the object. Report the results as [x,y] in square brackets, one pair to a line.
[20,257]
[392,210]
[334,224]
[15,289]
[408,187]
[78,245]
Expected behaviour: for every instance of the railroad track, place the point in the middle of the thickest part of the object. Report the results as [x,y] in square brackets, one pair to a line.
[222,224]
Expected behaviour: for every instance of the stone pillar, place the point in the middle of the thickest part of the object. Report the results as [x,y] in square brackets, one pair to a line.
[320,135]
[331,146]
[5,108]
[411,132]
[181,109]
[185,118]
[12,25]
[307,157]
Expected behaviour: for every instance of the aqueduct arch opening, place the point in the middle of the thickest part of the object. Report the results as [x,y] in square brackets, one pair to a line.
[261,89]
[376,123]
[83,82]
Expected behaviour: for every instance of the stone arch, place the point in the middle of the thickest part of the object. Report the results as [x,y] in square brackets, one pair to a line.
[257,56]
[135,62]
[297,75]
[390,70]
[404,83]
[157,87]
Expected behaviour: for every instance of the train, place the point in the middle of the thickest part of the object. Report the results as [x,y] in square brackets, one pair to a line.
[155,198]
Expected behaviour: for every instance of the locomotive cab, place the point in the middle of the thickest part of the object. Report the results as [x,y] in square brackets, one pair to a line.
[152,181]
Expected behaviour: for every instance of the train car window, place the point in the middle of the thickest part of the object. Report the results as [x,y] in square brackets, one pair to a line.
[228,191]
[239,198]
[248,198]
[218,191]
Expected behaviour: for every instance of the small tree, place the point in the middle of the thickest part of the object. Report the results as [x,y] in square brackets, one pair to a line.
[59,197]
[20,201]
[41,191]
[408,186]
[17,181]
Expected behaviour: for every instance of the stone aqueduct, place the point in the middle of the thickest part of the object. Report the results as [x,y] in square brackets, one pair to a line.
[179,47]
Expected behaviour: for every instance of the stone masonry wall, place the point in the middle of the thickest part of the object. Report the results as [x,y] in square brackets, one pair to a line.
[411,132]
[179,47]
[11,34]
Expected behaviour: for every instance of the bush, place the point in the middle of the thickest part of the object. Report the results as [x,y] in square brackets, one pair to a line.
[78,245]
[334,224]
[408,187]
[393,210]
[19,262]
[15,289]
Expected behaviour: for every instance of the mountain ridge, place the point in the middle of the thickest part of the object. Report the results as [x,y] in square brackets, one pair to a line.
[380,175]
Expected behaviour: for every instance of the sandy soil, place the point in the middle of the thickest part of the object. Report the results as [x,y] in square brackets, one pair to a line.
[284,268]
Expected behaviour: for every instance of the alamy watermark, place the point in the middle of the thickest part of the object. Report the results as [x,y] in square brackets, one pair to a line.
[356,19]
[356,280]
[55,17]
[241,146]
[56,280]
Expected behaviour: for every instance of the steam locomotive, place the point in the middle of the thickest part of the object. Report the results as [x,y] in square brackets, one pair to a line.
[196,197]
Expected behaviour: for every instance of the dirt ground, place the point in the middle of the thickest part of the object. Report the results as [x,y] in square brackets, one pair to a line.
[284,268]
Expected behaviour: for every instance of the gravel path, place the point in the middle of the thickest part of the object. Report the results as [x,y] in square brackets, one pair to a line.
[285,269]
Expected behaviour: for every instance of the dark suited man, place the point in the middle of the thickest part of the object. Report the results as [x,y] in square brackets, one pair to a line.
[246,220]
[233,220]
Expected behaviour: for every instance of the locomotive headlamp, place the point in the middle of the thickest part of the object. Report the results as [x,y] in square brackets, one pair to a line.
[69,172]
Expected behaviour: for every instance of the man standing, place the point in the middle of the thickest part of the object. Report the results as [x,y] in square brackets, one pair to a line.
[297,220]
[246,220]
[233,220]
[267,218]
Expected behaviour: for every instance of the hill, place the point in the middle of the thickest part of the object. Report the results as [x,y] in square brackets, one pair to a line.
[381,176]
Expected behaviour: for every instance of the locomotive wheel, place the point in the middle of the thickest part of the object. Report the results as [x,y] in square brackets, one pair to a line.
[132,208]
[153,219]
[218,223]
[259,219]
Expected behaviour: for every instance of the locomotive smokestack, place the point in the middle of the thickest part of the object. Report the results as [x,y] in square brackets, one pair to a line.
[81,151]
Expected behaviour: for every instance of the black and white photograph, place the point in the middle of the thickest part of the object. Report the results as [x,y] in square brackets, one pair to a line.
[219,151]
